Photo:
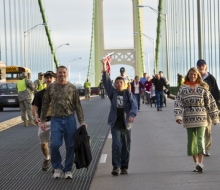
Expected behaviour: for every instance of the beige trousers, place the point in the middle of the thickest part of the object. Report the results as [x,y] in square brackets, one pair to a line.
[143,96]
[208,137]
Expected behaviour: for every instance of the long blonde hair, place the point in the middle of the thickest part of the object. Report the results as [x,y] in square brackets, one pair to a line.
[199,78]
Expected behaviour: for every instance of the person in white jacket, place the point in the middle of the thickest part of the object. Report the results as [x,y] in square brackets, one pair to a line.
[191,106]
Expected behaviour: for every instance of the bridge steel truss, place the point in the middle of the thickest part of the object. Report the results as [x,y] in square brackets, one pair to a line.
[194,33]
[132,57]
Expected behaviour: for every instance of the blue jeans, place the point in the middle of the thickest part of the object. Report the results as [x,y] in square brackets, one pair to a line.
[121,144]
[138,99]
[62,127]
[159,98]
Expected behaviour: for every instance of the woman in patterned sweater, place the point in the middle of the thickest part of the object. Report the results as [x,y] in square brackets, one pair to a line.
[191,106]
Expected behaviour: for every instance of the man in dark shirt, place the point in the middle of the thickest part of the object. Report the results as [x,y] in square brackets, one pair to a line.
[159,83]
[44,136]
[213,88]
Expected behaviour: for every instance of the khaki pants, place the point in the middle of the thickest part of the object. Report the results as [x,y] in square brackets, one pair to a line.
[143,97]
[25,107]
[208,137]
[87,93]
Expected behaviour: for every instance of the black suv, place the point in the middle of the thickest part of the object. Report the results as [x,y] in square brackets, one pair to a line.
[8,95]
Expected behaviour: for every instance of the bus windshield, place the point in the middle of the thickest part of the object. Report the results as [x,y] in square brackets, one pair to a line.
[13,73]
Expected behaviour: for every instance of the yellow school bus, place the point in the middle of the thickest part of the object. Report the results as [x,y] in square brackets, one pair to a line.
[13,73]
[2,72]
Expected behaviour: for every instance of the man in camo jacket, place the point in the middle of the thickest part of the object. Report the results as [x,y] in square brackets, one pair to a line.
[25,89]
[65,102]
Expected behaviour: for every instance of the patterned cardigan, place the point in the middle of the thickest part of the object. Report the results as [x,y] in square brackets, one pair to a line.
[193,104]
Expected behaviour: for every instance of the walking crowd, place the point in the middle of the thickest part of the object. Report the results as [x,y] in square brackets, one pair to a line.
[56,101]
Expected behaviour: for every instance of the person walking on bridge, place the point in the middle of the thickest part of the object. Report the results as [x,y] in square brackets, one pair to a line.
[123,110]
[25,88]
[143,80]
[39,83]
[136,89]
[192,104]
[44,136]
[213,88]
[65,103]
[87,86]
[159,84]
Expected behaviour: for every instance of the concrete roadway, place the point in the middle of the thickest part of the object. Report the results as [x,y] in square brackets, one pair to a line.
[159,157]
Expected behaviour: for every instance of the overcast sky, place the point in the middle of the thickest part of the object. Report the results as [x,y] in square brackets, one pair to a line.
[71,22]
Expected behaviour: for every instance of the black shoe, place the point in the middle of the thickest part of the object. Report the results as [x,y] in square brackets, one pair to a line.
[199,167]
[45,165]
[158,109]
[142,102]
[124,171]
[115,171]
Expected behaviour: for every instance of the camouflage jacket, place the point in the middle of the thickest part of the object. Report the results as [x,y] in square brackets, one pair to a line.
[64,101]
[28,93]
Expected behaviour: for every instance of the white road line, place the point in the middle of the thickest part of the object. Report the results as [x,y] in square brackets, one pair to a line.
[110,136]
[103,158]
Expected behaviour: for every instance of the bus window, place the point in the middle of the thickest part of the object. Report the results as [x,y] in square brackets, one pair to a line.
[15,75]
[8,75]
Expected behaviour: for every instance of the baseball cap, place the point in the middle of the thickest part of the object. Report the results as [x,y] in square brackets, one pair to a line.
[200,62]
[49,73]
[40,74]
[122,70]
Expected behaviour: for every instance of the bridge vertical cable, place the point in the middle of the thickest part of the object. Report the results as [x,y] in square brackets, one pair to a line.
[91,46]
[20,16]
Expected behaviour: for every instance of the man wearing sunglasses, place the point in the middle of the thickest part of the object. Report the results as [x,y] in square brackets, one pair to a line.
[44,136]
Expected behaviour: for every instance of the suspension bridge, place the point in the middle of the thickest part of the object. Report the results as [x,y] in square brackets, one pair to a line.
[186,31]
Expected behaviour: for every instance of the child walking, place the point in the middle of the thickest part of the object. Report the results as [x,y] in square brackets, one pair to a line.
[123,110]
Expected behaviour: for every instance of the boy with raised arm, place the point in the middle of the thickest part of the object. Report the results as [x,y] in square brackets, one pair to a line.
[123,110]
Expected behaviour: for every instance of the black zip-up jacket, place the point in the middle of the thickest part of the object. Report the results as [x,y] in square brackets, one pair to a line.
[213,87]
[159,84]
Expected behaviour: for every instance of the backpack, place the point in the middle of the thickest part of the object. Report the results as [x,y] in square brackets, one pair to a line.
[83,155]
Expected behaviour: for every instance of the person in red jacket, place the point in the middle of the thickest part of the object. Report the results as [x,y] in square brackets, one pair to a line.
[148,85]
[136,87]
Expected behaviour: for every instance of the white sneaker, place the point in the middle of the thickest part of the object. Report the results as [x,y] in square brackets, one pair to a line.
[57,173]
[68,175]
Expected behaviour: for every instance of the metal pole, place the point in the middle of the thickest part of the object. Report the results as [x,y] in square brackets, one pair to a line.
[148,63]
[79,78]
[167,54]
[52,61]
[24,51]
[154,58]
[69,71]
[200,29]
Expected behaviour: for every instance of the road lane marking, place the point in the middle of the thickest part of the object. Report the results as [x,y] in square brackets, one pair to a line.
[14,121]
[10,123]
[103,158]
[110,136]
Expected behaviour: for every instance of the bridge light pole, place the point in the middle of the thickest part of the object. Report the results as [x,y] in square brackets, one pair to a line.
[67,44]
[71,62]
[25,35]
[80,75]
[200,40]
[166,29]
[153,42]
